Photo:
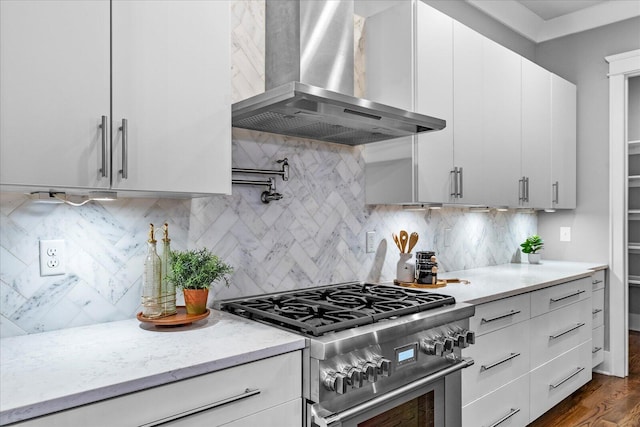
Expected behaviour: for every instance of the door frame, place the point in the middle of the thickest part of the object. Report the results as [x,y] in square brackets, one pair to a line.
[621,67]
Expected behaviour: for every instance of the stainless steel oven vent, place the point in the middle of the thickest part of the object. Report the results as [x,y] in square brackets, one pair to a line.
[309,81]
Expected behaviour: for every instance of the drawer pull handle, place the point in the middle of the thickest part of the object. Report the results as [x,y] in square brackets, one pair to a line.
[567,296]
[511,413]
[572,328]
[597,310]
[494,364]
[567,378]
[247,393]
[595,350]
[502,316]
[595,282]
[105,154]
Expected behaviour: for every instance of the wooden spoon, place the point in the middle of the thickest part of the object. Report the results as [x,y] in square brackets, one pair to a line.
[397,240]
[413,239]
[404,238]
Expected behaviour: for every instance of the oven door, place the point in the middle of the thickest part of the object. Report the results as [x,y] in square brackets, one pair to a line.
[432,401]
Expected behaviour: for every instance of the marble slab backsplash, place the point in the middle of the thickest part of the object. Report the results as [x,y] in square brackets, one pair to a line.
[315,235]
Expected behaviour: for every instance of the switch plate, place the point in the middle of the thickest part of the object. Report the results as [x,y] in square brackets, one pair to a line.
[565,234]
[371,241]
[51,257]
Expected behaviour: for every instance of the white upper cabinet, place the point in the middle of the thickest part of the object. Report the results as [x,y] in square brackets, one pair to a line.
[468,147]
[172,85]
[165,74]
[563,144]
[501,131]
[54,80]
[535,186]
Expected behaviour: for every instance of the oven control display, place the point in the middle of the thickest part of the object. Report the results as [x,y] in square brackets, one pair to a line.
[406,355]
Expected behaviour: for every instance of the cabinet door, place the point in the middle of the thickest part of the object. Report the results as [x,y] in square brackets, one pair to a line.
[171,83]
[501,124]
[468,149]
[563,143]
[434,97]
[536,133]
[54,80]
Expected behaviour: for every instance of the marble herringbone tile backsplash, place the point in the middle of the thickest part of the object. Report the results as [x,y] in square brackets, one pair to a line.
[315,235]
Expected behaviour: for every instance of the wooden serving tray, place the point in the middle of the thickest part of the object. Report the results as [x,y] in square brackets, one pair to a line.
[439,284]
[178,319]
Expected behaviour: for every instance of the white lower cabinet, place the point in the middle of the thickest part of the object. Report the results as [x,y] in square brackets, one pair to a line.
[268,390]
[558,378]
[504,407]
[531,351]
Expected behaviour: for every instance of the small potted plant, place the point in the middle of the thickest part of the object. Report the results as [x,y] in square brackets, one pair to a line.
[531,246]
[194,271]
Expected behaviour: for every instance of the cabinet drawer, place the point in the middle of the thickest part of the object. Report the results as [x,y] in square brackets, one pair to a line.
[287,414]
[500,314]
[555,297]
[211,399]
[597,280]
[597,302]
[597,346]
[509,404]
[560,330]
[557,379]
[500,357]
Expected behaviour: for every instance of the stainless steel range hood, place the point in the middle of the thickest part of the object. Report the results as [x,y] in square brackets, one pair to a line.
[309,81]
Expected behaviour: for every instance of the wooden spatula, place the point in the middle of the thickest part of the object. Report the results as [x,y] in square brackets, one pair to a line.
[397,240]
[413,239]
[404,238]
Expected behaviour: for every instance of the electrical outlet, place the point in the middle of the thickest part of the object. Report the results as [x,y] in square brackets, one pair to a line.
[51,257]
[565,234]
[371,241]
[447,237]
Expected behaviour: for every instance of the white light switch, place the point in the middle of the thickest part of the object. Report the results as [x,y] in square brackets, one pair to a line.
[371,241]
[565,234]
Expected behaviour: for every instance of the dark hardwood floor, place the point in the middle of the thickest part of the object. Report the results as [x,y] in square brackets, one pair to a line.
[604,401]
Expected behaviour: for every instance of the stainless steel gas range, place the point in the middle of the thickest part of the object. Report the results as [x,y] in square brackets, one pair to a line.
[377,355]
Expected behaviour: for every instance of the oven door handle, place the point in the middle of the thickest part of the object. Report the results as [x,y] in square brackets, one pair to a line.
[324,418]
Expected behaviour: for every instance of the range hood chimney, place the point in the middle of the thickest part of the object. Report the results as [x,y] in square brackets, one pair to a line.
[309,81]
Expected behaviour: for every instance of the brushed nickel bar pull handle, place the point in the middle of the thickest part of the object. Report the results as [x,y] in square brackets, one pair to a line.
[596,311]
[103,127]
[595,282]
[556,193]
[595,350]
[504,359]
[572,328]
[506,417]
[567,378]
[460,193]
[454,182]
[566,296]
[501,316]
[125,149]
[521,190]
[247,393]
[526,188]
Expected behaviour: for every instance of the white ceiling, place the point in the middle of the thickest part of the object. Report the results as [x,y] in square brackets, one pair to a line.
[542,20]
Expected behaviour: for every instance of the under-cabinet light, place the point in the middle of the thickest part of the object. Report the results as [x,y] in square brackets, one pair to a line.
[479,209]
[70,199]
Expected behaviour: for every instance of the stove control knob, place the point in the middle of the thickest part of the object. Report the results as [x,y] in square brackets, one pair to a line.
[335,381]
[459,340]
[448,344]
[369,371]
[353,376]
[383,366]
[432,346]
[471,337]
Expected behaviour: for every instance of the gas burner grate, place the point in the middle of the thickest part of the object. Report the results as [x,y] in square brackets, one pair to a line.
[317,311]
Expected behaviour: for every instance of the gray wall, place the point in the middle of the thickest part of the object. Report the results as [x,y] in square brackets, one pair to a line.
[579,58]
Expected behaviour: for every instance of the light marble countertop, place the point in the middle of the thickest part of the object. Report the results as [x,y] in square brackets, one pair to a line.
[52,371]
[505,280]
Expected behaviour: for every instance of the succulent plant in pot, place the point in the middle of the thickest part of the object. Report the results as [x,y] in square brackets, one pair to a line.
[531,246]
[194,271]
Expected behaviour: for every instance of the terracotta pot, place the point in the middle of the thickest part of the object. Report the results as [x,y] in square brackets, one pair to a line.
[195,300]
